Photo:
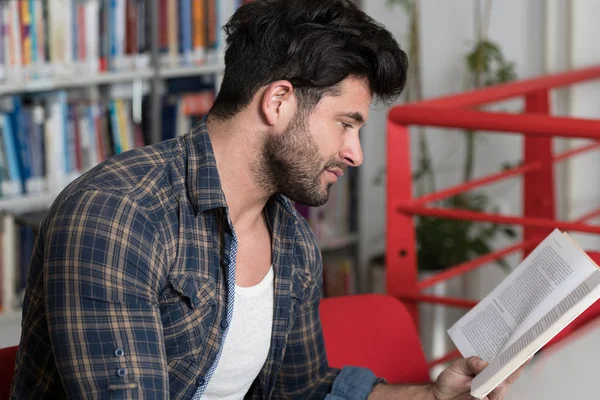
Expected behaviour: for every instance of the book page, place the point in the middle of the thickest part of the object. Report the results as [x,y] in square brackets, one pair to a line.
[550,272]
[537,336]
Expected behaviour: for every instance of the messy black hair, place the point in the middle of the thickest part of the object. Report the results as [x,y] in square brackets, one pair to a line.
[313,44]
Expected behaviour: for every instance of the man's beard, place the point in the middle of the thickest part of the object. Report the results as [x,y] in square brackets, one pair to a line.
[291,165]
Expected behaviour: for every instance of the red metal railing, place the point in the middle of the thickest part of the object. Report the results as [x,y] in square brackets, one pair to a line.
[538,219]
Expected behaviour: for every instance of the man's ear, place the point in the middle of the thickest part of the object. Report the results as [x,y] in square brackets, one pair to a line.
[278,103]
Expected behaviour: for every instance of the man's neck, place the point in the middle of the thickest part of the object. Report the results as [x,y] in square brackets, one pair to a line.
[236,149]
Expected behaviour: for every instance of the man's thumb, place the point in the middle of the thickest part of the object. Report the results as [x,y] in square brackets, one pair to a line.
[476,364]
[469,366]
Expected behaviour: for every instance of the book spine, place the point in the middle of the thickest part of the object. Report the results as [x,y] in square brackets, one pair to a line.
[2,33]
[198,31]
[33,17]
[185,31]
[144,34]
[92,36]
[172,31]
[11,154]
[112,34]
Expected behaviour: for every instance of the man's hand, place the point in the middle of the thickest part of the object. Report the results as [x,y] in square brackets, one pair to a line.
[455,382]
[452,384]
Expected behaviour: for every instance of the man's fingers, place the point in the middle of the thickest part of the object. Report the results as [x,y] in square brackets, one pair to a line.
[468,366]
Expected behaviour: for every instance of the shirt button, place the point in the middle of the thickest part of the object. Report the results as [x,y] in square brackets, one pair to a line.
[224,324]
[121,372]
[196,300]
[119,352]
[200,381]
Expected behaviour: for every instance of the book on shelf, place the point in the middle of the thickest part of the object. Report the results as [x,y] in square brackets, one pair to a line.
[553,285]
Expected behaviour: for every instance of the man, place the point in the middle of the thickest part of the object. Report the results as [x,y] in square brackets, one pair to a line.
[181,270]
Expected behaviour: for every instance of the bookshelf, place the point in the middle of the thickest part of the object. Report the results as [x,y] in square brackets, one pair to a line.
[106,78]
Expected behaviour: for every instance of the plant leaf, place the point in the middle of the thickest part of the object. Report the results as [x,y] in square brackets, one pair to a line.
[510,232]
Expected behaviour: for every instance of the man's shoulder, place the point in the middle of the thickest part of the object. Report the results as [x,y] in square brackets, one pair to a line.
[145,175]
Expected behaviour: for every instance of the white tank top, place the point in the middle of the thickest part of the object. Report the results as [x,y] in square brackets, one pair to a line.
[247,342]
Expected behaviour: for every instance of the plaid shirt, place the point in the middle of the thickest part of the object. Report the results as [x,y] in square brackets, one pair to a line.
[130,289]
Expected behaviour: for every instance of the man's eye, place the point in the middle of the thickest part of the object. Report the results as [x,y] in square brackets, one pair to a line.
[346,126]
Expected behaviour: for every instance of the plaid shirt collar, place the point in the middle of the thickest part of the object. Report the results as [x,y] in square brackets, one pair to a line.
[202,173]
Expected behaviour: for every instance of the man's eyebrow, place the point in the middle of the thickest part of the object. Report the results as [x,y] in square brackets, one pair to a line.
[356,116]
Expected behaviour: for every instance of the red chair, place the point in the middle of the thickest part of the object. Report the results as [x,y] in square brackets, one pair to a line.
[8,356]
[376,332]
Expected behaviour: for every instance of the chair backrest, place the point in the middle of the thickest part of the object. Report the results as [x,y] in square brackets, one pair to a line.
[376,332]
[8,356]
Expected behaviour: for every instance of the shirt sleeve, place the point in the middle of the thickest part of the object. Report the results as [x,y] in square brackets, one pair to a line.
[305,372]
[102,264]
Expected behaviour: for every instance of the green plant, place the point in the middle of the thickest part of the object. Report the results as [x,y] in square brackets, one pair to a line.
[442,243]
[445,242]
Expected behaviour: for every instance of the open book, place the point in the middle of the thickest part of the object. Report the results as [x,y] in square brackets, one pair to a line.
[553,285]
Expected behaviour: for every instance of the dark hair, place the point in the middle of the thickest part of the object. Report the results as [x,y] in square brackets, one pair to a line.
[313,44]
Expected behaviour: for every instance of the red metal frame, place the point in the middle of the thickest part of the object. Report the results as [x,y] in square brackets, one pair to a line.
[539,211]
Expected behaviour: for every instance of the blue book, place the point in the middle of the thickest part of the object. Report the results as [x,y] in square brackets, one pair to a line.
[33,32]
[114,123]
[20,131]
[185,31]
[112,34]
[10,147]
